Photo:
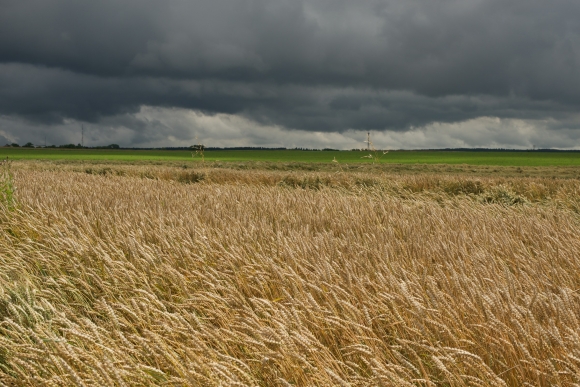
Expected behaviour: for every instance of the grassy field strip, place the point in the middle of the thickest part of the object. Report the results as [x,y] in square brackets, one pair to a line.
[154,169]
[501,185]
[124,280]
[393,157]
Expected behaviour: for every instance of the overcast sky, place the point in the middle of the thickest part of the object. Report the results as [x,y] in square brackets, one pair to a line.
[306,73]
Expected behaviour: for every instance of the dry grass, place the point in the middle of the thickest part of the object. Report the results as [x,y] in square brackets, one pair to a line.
[167,276]
[101,166]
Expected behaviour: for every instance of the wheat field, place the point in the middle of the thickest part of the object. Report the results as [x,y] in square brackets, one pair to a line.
[144,276]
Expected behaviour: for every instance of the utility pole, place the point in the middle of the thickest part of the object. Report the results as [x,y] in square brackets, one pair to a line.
[83,136]
[368,141]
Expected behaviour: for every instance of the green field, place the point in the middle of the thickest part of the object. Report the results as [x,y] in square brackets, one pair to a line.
[393,157]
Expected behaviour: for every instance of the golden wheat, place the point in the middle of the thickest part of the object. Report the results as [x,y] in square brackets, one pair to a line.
[265,278]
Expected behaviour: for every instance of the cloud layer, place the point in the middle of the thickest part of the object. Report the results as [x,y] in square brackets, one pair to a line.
[302,66]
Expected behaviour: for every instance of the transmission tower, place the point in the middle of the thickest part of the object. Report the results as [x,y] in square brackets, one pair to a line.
[368,141]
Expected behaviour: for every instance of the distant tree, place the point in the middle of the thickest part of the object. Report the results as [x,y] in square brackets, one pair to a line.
[28,145]
[113,146]
[15,145]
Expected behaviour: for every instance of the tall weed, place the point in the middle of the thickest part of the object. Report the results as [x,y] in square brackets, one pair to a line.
[7,188]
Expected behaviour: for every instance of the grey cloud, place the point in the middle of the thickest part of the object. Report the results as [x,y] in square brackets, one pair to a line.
[51,95]
[436,46]
[154,126]
[317,65]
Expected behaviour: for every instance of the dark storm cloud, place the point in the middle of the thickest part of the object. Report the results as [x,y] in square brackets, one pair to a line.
[325,65]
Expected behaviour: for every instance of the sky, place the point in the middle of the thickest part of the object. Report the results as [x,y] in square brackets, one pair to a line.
[291,73]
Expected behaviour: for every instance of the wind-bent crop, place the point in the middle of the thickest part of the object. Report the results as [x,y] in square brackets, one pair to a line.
[363,280]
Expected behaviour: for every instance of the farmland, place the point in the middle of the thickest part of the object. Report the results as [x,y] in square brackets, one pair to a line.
[207,274]
[393,157]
